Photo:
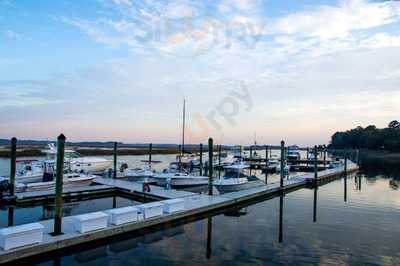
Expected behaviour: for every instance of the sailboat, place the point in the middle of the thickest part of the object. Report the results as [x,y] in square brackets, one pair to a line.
[178,177]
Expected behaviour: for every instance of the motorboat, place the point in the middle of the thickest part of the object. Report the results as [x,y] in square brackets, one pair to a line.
[179,179]
[78,162]
[140,174]
[48,182]
[235,180]
[293,153]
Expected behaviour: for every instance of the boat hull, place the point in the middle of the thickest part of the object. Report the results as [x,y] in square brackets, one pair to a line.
[182,181]
[226,188]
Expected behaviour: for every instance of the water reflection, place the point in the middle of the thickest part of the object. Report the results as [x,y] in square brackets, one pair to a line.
[281,218]
[315,204]
[209,237]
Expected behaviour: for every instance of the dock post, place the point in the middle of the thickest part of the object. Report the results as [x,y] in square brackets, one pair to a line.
[59,185]
[115,159]
[308,154]
[13,165]
[201,159]
[282,162]
[251,151]
[324,156]
[210,166]
[219,161]
[345,175]
[150,153]
[266,164]
[315,163]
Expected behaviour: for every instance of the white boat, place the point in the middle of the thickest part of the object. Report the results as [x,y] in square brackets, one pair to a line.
[69,180]
[139,175]
[286,168]
[180,179]
[235,180]
[79,163]
[293,153]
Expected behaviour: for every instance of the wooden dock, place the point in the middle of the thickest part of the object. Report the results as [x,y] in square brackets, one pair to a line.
[195,206]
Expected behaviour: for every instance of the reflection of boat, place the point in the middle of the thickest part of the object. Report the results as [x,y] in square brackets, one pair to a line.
[235,180]
[180,179]
[237,212]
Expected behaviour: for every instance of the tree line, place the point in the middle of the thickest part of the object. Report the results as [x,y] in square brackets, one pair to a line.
[369,137]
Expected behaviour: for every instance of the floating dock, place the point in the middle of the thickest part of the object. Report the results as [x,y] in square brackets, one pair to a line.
[195,206]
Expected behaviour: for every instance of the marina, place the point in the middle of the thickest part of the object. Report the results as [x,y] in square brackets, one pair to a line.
[193,205]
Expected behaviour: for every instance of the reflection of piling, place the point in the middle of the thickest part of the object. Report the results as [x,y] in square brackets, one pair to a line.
[210,166]
[59,185]
[209,237]
[281,219]
[201,159]
[315,204]
[13,165]
[282,162]
[10,216]
[115,159]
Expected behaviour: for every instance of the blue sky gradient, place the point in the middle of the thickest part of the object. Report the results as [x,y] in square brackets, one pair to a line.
[119,69]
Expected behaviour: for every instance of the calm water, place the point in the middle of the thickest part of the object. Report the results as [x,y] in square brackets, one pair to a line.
[45,211]
[364,230]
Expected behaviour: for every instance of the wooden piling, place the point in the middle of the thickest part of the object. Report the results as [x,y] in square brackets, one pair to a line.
[345,175]
[150,153]
[115,159]
[266,164]
[59,185]
[13,165]
[324,156]
[308,154]
[219,161]
[315,163]
[201,159]
[282,162]
[210,166]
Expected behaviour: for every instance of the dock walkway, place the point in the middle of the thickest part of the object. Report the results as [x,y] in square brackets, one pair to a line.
[195,205]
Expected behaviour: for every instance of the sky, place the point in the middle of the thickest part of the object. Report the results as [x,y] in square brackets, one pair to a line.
[264,70]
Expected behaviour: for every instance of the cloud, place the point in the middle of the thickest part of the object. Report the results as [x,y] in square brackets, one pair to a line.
[329,22]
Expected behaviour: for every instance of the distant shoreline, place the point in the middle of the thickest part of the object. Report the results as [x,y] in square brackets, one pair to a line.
[87,151]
